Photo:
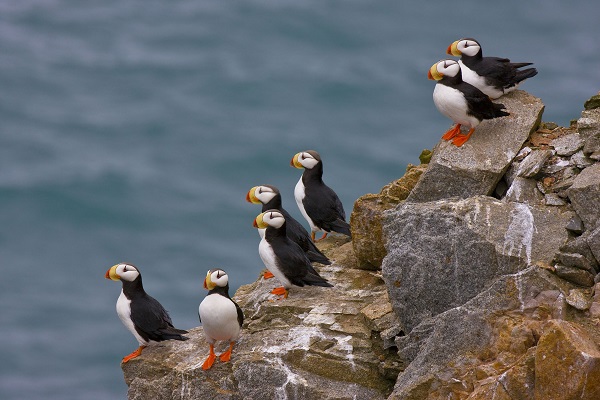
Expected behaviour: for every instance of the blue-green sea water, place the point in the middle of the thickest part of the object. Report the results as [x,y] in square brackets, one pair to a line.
[131,130]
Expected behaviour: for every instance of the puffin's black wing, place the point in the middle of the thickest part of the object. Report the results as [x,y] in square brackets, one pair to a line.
[240,314]
[480,105]
[501,73]
[324,207]
[299,235]
[293,262]
[152,321]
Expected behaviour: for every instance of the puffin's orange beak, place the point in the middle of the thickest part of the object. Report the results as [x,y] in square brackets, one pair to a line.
[205,286]
[295,163]
[112,273]
[433,73]
[453,49]
[251,196]
[259,222]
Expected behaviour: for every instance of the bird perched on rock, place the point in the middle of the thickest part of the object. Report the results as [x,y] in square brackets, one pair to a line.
[492,75]
[220,316]
[270,198]
[317,202]
[284,258]
[461,102]
[143,315]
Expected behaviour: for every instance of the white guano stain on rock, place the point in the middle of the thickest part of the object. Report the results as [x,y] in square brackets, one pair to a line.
[519,234]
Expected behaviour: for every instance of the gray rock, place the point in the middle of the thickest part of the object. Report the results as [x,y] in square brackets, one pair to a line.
[580,160]
[567,145]
[524,190]
[588,127]
[580,299]
[533,163]
[555,164]
[477,166]
[575,260]
[575,225]
[443,253]
[580,245]
[585,195]
[593,241]
[552,199]
[319,343]
[441,348]
[575,275]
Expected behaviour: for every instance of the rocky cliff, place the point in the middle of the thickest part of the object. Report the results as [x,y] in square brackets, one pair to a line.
[471,277]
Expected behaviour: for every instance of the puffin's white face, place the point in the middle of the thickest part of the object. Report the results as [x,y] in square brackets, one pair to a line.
[304,160]
[123,272]
[215,277]
[262,194]
[271,218]
[444,68]
[468,47]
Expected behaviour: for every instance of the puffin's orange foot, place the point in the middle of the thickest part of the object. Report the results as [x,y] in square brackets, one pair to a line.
[268,275]
[452,132]
[227,355]
[321,238]
[280,291]
[210,360]
[462,139]
[135,354]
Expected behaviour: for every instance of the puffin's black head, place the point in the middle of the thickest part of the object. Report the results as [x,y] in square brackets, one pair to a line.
[272,218]
[306,159]
[215,277]
[468,47]
[443,68]
[122,272]
[262,194]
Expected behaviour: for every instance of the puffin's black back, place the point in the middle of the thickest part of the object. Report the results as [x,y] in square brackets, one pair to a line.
[321,203]
[151,320]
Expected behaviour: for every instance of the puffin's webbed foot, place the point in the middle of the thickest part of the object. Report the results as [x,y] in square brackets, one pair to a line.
[134,354]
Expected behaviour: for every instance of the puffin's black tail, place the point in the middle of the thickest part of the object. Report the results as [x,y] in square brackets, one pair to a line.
[173,334]
[340,226]
[315,280]
[526,73]
[318,257]
[496,111]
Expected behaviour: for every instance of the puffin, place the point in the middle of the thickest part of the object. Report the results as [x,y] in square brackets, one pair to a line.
[220,316]
[494,76]
[463,103]
[317,202]
[143,315]
[270,198]
[284,258]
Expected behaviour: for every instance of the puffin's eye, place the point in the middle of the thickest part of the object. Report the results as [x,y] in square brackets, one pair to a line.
[124,268]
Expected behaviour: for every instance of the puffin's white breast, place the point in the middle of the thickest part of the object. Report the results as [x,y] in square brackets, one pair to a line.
[267,255]
[299,195]
[219,318]
[124,313]
[452,103]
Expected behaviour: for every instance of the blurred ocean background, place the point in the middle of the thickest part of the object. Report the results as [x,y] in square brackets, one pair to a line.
[131,131]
